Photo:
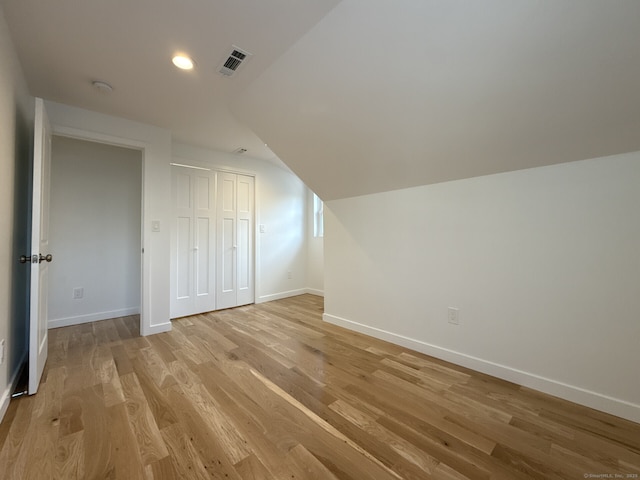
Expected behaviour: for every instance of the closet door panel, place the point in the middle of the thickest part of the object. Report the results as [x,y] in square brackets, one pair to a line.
[244,195]
[243,254]
[183,192]
[204,245]
[193,251]
[245,222]
[228,256]
[227,225]
[203,284]
[204,189]
[182,284]
[184,258]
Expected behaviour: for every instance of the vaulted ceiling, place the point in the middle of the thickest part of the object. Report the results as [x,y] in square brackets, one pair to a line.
[355,96]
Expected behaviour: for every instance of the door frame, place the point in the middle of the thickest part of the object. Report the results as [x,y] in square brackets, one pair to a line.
[142,147]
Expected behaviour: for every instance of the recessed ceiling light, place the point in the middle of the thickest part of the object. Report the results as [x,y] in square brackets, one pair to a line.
[183,62]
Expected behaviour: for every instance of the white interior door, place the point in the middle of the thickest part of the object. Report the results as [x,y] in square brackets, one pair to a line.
[193,262]
[40,255]
[235,240]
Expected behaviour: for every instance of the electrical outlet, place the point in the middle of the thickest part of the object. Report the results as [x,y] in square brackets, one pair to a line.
[78,293]
[453,316]
[289,275]
[1,351]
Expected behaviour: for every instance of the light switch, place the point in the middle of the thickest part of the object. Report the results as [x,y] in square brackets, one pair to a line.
[263,229]
[155,225]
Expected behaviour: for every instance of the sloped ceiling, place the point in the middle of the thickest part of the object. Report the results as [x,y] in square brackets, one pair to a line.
[355,96]
[64,45]
[382,95]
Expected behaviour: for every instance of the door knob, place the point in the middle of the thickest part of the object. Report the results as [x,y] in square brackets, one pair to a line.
[45,258]
[28,259]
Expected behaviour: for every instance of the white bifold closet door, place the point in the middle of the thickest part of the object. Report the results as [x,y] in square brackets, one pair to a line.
[194,256]
[212,257]
[235,269]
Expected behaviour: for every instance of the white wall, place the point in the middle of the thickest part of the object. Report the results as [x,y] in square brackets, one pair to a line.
[315,252]
[16,139]
[96,193]
[280,207]
[544,265]
[155,144]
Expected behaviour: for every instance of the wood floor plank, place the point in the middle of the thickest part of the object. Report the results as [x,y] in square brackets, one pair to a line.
[184,457]
[270,391]
[93,421]
[313,468]
[213,337]
[252,469]
[5,426]
[381,470]
[232,443]
[405,449]
[155,367]
[201,435]
[108,375]
[162,348]
[121,359]
[42,442]
[160,407]
[46,416]
[254,423]
[162,469]
[188,351]
[445,472]
[69,460]
[15,451]
[124,333]
[372,444]
[124,446]
[149,441]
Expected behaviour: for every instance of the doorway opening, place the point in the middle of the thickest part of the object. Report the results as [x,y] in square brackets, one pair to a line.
[95,231]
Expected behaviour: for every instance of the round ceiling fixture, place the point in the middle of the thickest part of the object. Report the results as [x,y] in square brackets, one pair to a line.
[103,87]
[183,62]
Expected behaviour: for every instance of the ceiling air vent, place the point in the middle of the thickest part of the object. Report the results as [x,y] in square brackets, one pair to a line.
[236,57]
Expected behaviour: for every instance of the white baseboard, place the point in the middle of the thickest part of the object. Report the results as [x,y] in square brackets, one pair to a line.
[92,317]
[290,293]
[280,296]
[6,395]
[313,291]
[598,401]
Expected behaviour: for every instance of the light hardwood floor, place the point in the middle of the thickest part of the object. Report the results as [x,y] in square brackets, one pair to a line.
[270,391]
